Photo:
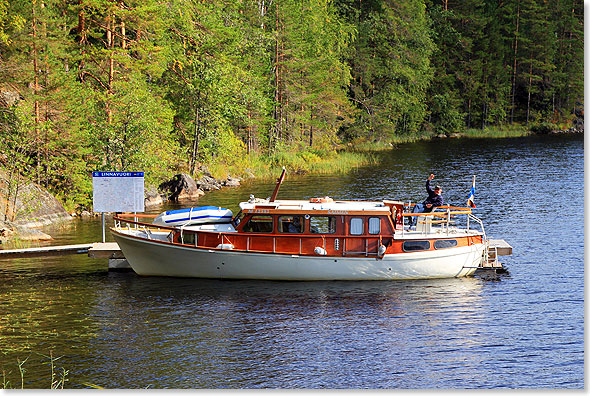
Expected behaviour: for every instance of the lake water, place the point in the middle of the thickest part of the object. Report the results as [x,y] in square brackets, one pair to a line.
[526,330]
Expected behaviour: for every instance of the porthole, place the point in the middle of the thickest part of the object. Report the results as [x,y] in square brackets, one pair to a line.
[445,243]
[415,246]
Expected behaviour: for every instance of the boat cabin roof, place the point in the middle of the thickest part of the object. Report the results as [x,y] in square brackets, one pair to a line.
[318,206]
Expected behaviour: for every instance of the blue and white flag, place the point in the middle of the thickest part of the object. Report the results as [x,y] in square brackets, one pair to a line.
[471,198]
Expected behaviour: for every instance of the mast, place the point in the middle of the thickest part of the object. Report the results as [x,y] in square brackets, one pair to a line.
[279,181]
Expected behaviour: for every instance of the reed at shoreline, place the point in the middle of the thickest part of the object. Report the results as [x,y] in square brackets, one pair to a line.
[345,157]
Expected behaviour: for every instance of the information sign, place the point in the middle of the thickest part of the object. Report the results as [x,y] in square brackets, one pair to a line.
[117,192]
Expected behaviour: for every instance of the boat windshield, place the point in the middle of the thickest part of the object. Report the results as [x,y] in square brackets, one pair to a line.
[237,218]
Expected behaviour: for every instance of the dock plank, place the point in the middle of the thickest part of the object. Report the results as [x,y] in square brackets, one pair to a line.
[504,248]
[45,251]
[108,250]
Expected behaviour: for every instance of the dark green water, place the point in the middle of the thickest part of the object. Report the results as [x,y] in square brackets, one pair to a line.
[119,330]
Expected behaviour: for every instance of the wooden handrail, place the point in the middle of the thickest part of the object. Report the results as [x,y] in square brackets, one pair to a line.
[151,216]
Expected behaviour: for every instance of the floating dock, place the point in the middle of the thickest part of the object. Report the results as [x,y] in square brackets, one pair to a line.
[503,248]
[46,251]
[108,250]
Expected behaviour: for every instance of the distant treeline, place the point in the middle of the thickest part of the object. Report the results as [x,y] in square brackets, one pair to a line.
[161,85]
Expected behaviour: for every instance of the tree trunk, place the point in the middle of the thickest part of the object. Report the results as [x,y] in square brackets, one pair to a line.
[278,95]
[36,90]
[110,42]
[483,115]
[249,135]
[469,113]
[82,42]
[528,104]
[46,116]
[195,151]
[311,127]
[123,36]
[514,64]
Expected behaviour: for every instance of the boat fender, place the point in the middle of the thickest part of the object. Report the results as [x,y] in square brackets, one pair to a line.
[320,251]
[321,200]
[382,250]
[398,217]
[225,246]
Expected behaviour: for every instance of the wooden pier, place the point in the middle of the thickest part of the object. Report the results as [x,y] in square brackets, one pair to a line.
[108,250]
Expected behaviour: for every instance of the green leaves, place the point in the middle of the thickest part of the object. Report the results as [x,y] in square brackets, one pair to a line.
[155,86]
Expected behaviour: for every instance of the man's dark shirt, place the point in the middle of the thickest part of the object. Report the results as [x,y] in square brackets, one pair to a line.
[433,198]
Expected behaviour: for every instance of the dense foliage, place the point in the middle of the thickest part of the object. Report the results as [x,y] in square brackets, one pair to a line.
[163,85]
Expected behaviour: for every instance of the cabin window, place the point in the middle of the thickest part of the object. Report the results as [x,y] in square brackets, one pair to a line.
[258,224]
[188,239]
[291,224]
[445,243]
[374,225]
[322,225]
[415,246]
[356,226]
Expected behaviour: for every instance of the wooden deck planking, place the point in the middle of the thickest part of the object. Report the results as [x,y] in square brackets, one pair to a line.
[504,249]
[45,251]
[105,250]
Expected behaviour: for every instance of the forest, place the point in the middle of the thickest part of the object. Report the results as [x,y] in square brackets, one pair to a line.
[164,86]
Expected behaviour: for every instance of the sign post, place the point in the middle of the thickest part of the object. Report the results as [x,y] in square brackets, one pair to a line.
[117,192]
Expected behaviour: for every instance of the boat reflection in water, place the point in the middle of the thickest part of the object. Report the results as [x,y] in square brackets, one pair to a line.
[244,333]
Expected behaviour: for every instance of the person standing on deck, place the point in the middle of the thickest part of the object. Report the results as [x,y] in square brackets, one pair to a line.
[434,199]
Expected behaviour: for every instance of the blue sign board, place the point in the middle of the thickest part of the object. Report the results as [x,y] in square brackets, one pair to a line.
[118,191]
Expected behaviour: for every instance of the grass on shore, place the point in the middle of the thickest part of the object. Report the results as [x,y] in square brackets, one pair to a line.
[361,152]
[300,162]
[497,132]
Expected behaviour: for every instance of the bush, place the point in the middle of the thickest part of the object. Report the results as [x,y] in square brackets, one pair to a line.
[544,128]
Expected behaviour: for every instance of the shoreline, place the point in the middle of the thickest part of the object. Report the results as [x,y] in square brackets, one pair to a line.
[342,159]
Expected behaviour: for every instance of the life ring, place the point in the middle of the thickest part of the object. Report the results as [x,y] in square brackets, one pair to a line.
[321,200]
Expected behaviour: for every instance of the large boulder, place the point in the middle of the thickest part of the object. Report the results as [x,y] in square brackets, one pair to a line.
[208,183]
[181,187]
[152,197]
[34,206]
[231,181]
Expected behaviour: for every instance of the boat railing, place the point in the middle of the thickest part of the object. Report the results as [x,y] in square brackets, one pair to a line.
[478,221]
[443,215]
[301,244]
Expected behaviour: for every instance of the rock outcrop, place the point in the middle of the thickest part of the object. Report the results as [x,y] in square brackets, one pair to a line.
[33,207]
[152,198]
[181,187]
[36,207]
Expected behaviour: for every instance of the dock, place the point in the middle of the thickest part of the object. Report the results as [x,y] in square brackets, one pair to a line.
[108,250]
[46,251]
[503,248]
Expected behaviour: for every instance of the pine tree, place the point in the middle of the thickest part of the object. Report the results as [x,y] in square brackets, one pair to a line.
[390,67]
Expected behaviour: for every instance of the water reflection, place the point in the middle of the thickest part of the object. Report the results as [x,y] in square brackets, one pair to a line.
[121,330]
[246,333]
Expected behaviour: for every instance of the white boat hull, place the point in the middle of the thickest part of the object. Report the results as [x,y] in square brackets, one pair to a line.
[153,258]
